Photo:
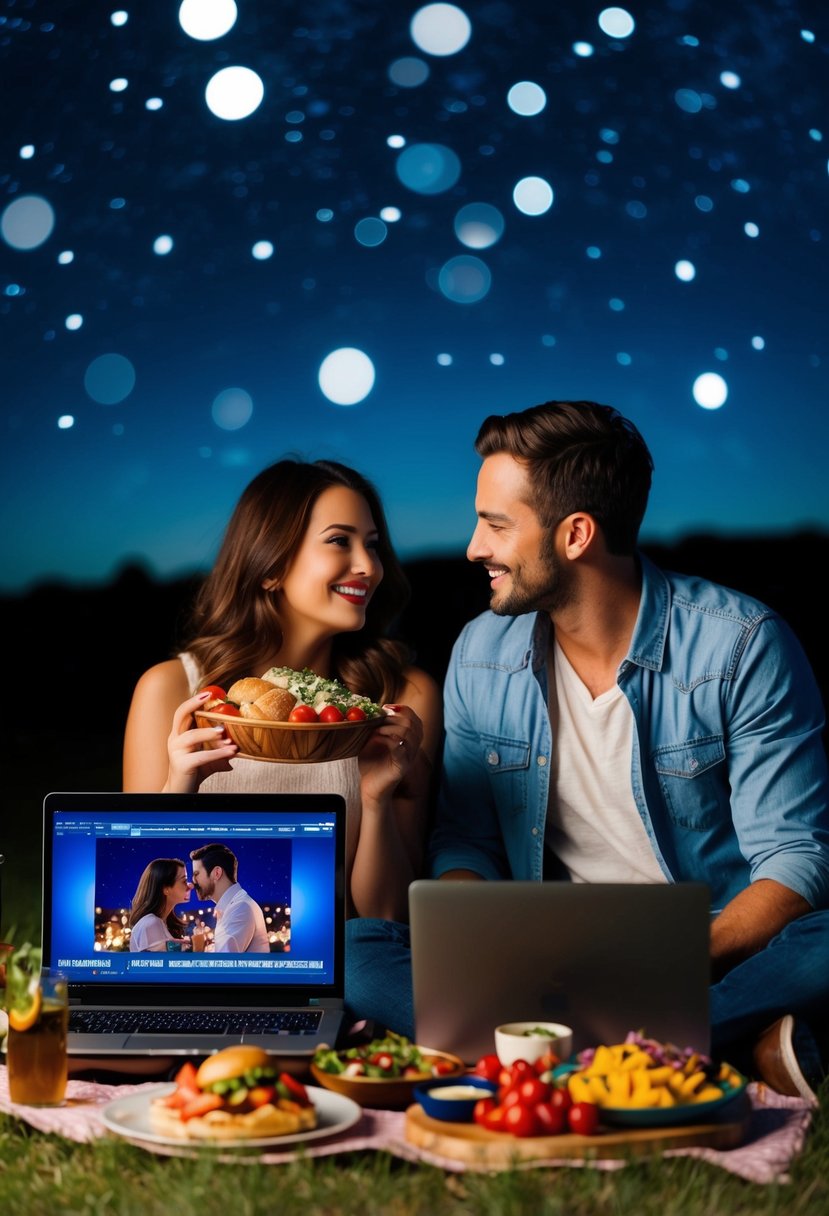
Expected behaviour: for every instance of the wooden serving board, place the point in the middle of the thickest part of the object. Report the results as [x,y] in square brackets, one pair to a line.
[474,1145]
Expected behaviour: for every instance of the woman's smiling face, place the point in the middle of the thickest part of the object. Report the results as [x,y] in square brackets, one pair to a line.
[336,569]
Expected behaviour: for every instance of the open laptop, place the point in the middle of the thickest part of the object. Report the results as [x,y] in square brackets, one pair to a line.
[602,958]
[290,850]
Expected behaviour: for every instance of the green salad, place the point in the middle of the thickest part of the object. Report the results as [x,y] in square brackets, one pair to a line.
[389,1057]
[311,689]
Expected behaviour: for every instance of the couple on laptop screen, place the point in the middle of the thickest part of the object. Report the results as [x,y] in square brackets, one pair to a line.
[607,720]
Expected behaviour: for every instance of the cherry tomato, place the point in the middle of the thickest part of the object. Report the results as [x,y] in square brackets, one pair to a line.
[355,714]
[303,713]
[546,1062]
[331,714]
[228,709]
[583,1118]
[482,1108]
[533,1090]
[493,1119]
[520,1120]
[561,1098]
[509,1097]
[215,691]
[520,1069]
[488,1067]
[440,1068]
[552,1120]
[382,1059]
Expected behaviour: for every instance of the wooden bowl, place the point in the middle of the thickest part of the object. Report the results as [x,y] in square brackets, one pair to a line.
[392,1093]
[291,742]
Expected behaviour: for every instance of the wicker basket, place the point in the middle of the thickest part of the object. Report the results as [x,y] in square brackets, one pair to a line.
[291,742]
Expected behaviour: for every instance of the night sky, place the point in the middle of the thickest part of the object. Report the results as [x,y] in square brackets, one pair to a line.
[648,207]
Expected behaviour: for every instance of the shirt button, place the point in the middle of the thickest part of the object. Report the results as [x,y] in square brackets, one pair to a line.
[535,831]
[492,758]
[541,761]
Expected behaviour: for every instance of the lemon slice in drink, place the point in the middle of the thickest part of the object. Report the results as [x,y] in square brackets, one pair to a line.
[24,1019]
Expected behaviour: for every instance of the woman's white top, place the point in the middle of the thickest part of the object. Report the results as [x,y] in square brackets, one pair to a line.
[149,933]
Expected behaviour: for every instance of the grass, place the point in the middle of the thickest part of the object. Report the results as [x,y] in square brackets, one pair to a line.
[43,1174]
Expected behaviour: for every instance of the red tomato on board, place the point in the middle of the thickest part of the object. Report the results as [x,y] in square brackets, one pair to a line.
[533,1090]
[561,1098]
[520,1120]
[482,1109]
[331,714]
[355,714]
[551,1120]
[228,709]
[583,1118]
[488,1067]
[493,1117]
[303,713]
[546,1062]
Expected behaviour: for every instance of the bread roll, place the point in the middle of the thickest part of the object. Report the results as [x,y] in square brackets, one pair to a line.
[275,705]
[247,689]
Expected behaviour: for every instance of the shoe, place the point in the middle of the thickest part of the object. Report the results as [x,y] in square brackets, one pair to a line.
[776,1062]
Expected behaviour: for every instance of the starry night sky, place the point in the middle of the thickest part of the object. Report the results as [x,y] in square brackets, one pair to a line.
[697,136]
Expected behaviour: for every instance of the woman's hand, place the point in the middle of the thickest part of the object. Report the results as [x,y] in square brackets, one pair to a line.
[392,754]
[190,761]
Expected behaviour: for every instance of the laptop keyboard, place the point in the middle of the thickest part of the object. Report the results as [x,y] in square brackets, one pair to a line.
[187,1021]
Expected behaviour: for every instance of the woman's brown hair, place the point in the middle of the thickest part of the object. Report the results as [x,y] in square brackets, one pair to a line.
[149,896]
[233,612]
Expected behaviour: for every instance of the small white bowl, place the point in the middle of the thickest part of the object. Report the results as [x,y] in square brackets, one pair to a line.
[516,1041]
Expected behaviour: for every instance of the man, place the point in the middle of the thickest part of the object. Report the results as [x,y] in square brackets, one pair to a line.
[607,721]
[240,923]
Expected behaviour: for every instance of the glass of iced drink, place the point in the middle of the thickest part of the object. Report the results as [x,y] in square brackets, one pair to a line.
[36,1044]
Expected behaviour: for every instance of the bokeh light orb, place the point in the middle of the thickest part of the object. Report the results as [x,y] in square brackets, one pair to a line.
[616,22]
[27,152]
[440,29]
[370,231]
[428,168]
[479,225]
[27,222]
[751,229]
[162,245]
[685,271]
[409,72]
[74,321]
[234,93]
[205,20]
[65,422]
[391,214]
[533,195]
[730,80]
[65,257]
[232,409]
[526,98]
[109,379]
[583,49]
[346,376]
[464,279]
[688,100]
[710,391]
[262,250]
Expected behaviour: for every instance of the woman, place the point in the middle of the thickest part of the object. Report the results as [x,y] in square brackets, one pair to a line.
[305,577]
[152,920]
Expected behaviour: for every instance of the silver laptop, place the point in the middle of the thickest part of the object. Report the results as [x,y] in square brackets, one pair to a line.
[602,958]
[290,851]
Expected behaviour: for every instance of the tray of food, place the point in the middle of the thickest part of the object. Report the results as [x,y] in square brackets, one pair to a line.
[291,717]
[383,1073]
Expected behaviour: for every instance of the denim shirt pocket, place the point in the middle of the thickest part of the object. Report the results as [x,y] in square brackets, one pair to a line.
[691,780]
[507,762]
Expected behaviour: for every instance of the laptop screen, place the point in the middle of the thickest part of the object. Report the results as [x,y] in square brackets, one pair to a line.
[289,854]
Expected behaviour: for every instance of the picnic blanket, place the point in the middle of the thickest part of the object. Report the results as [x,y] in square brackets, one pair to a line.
[776,1134]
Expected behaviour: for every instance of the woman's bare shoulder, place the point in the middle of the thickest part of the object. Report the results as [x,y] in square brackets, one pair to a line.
[164,679]
[419,684]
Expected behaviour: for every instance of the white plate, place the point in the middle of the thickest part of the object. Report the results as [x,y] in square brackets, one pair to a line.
[130,1118]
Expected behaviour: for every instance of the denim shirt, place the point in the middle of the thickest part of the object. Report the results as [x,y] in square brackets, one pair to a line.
[728,768]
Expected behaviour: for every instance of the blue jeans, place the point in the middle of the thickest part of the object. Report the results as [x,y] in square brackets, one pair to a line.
[790,976]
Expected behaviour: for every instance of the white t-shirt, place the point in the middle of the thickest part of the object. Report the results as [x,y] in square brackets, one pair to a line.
[593,824]
[149,933]
[240,925]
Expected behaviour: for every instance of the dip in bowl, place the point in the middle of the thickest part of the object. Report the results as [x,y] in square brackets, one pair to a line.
[452,1099]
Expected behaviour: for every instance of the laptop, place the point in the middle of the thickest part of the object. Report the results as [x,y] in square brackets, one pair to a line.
[602,958]
[286,999]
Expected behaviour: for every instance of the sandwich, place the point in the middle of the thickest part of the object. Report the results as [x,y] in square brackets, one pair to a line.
[236,1094]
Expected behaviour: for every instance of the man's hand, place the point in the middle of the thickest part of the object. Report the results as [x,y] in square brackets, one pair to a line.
[748,923]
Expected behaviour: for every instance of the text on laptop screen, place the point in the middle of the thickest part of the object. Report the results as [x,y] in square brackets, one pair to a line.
[286,864]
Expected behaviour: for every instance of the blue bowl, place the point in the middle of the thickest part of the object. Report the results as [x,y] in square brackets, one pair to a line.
[449,1108]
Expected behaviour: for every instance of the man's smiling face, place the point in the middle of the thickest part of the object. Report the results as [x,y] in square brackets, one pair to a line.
[510,541]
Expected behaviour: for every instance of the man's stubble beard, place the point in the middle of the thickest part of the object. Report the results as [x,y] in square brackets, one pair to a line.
[551,592]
